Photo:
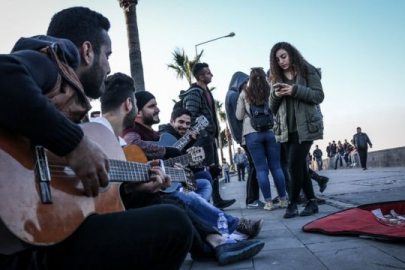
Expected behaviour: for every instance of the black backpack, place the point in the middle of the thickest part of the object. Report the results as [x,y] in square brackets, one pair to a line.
[261,117]
[179,103]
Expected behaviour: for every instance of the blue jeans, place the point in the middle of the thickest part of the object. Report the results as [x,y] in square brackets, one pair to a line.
[265,153]
[204,175]
[226,176]
[205,210]
[204,188]
[338,158]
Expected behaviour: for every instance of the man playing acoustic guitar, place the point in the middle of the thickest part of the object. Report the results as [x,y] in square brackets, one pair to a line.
[44,85]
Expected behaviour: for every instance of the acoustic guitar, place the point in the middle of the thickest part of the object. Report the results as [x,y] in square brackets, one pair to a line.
[42,201]
[167,139]
[135,154]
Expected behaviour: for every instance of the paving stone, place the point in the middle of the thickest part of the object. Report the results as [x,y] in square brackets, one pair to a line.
[279,239]
[312,238]
[337,245]
[395,249]
[359,258]
[213,265]
[291,259]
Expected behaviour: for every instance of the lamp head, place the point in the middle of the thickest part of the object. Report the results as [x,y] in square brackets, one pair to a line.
[231,34]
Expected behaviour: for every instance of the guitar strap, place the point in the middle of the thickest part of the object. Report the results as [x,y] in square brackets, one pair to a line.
[67,94]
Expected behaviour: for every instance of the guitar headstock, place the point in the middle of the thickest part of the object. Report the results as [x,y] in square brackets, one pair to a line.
[197,155]
[202,123]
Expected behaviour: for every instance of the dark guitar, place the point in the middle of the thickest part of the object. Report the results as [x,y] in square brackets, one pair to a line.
[42,201]
[167,139]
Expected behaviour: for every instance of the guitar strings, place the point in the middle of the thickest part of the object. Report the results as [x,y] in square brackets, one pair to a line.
[120,172]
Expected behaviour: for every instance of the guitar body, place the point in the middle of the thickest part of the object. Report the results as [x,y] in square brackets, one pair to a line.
[21,209]
[166,139]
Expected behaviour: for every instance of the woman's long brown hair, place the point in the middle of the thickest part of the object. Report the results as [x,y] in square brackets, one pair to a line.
[258,91]
[297,61]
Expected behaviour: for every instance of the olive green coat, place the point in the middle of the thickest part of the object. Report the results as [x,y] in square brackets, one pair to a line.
[307,92]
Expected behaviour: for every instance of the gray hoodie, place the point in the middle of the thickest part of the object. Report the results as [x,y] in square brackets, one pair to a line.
[231,101]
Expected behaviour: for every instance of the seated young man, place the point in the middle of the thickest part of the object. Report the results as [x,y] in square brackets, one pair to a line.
[180,123]
[142,134]
[119,109]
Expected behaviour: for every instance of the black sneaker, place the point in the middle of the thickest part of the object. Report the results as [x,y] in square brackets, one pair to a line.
[310,209]
[224,203]
[291,211]
[250,227]
[323,183]
[236,252]
[320,200]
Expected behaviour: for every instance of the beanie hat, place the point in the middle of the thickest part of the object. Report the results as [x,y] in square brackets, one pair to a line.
[143,97]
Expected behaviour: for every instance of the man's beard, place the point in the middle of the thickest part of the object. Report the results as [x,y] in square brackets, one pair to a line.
[93,80]
[129,118]
[181,132]
[148,120]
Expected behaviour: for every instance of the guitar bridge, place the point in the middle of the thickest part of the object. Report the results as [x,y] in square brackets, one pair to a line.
[44,176]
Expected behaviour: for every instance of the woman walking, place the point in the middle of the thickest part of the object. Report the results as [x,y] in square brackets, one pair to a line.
[295,91]
[262,145]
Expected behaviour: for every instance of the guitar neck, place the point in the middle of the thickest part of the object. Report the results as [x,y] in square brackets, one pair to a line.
[124,171]
[183,141]
[183,160]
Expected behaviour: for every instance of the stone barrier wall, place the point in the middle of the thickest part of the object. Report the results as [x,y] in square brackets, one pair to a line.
[394,157]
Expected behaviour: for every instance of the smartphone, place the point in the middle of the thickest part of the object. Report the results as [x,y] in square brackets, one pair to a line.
[277,86]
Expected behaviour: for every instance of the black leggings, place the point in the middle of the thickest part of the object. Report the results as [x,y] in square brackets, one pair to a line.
[298,167]
[252,186]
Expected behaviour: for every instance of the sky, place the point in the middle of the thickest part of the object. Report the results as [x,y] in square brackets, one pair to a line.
[358,44]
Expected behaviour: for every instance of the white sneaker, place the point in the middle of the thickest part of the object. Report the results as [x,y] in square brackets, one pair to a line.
[268,206]
[283,203]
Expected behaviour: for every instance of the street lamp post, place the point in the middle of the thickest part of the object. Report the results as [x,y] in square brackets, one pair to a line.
[232,34]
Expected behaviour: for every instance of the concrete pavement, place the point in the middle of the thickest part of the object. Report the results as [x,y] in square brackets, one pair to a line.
[288,247]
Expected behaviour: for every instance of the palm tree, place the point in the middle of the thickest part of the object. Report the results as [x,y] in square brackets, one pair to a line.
[182,65]
[222,117]
[135,57]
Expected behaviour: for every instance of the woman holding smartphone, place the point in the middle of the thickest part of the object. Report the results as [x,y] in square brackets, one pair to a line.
[262,145]
[296,90]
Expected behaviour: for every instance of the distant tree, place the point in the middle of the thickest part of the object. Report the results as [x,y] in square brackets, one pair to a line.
[182,65]
[135,57]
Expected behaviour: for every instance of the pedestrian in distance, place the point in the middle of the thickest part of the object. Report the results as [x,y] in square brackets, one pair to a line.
[361,142]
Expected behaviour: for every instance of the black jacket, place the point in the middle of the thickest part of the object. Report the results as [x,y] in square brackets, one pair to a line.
[25,76]
[196,102]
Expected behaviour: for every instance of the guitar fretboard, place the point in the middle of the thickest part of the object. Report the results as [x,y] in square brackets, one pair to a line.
[124,171]
[183,160]
[183,141]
